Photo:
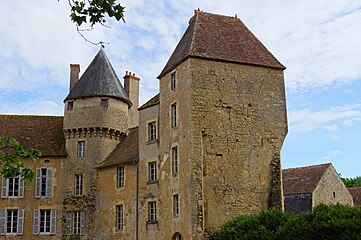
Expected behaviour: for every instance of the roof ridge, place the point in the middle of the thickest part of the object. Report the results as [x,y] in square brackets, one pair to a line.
[321,164]
[194,33]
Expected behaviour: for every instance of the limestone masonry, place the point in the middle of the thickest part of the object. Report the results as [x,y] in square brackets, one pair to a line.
[205,149]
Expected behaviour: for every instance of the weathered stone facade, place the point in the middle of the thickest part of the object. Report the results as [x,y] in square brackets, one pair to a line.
[205,149]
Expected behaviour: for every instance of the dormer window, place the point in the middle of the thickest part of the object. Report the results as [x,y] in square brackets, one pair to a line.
[173,81]
[70,105]
[104,102]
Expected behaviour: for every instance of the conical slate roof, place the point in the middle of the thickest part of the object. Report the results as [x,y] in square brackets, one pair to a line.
[99,80]
[220,38]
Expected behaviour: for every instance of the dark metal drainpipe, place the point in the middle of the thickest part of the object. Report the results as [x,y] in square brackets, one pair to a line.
[136,201]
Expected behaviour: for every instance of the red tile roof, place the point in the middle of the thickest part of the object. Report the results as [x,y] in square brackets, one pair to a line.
[356,195]
[126,151]
[222,38]
[303,179]
[44,133]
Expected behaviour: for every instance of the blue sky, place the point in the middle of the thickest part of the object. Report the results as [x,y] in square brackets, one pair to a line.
[318,41]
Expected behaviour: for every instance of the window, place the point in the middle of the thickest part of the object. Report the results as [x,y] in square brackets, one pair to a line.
[174,115]
[152,212]
[44,221]
[78,184]
[70,105]
[12,187]
[152,131]
[81,149]
[175,205]
[120,177]
[44,179]
[120,218]
[75,223]
[175,162]
[177,236]
[104,103]
[152,166]
[11,221]
[173,81]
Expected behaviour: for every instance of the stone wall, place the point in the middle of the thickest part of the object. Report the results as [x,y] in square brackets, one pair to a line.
[331,190]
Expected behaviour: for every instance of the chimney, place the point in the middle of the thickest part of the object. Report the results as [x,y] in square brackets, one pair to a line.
[131,86]
[74,75]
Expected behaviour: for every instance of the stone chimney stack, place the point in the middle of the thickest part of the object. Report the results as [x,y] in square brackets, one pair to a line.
[131,86]
[74,75]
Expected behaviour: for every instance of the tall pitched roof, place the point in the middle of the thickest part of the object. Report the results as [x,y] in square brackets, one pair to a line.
[125,152]
[222,38]
[356,195]
[44,133]
[99,80]
[303,179]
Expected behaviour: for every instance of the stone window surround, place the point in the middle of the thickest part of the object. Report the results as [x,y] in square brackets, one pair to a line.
[173,81]
[80,150]
[148,137]
[120,184]
[151,161]
[152,212]
[174,158]
[104,102]
[44,221]
[176,205]
[119,221]
[174,115]
[78,184]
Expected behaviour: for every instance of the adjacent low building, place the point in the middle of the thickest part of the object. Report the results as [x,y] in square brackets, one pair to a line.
[306,187]
[356,195]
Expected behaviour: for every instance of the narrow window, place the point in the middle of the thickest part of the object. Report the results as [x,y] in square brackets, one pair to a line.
[174,115]
[14,185]
[45,221]
[81,149]
[152,131]
[120,219]
[175,205]
[43,182]
[152,166]
[175,162]
[104,103]
[70,105]
[76,222]
[120,177]
[152,212]
[78,184]
[173,81]
[12,221]
[334,194]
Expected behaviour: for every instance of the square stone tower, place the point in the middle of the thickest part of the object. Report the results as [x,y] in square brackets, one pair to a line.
[222,125]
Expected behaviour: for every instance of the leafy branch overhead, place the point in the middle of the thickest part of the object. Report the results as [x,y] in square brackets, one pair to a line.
[11,154]
[94,11]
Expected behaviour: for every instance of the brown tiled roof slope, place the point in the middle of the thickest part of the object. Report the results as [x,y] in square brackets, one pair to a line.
[125,152]
[303,179]
[44,133]
[356,195]
[152,102]
[223,38]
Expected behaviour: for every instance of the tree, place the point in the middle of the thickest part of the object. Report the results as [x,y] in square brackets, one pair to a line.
[352,182]
[11,154]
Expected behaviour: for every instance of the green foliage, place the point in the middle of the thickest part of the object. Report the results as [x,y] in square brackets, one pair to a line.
[324,222]
[352,182]
[94,11]
[11,154]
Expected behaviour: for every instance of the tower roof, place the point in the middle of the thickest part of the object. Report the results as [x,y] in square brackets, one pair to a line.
[222,38]
[99,80]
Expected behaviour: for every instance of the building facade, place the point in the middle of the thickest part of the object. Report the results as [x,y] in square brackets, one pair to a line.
[206,148]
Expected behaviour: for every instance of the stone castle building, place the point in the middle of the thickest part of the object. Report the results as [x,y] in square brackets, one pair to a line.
[206,148]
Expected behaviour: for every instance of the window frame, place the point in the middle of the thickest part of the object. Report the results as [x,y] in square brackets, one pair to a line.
[174,115]
[173,81]
[76,223]
[44,221]
[120,177]
[104,103]
[44,182]
[80,150]
[78,185]
[70,105]
[13,223]
[176,205]
[12,187]
[119,209]
[152,172]
[152,131]
[175,159]
[152,212]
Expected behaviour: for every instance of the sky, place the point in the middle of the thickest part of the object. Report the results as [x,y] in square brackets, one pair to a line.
[318,41]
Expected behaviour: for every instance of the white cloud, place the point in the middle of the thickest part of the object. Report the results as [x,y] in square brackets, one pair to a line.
[332,154]
[331,128]
[335,138]
[348,122]
[305,120]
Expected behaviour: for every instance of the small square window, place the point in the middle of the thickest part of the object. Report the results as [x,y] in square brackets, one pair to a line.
[70,105]
[104,102]
[152,166]
[152,131]
[81,149]
[173,81]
